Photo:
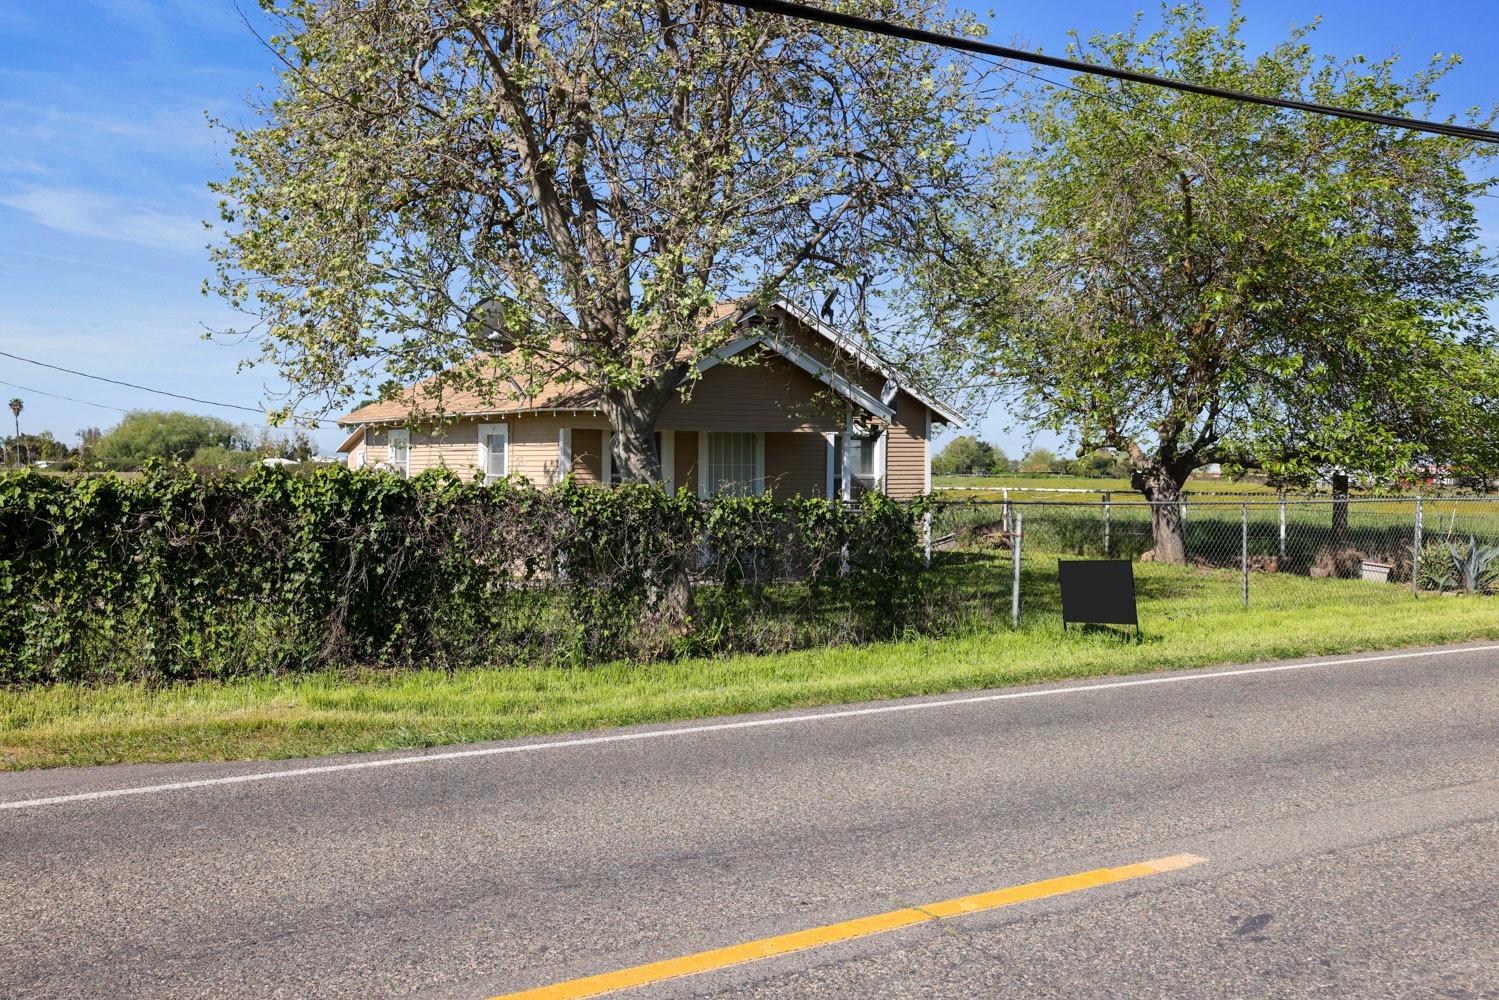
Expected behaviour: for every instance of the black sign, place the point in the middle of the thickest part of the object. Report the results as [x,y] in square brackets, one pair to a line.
[1098,591]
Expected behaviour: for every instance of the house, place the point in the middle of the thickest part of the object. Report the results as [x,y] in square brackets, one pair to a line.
[775,419]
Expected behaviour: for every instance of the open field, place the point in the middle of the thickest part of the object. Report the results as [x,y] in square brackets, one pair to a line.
[1191,617]
[1017,481]
[1123,491]
[1075,524]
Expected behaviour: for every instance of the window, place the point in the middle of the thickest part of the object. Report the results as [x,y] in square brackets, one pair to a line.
[614,465]
[734,461]
[863,462]
[400,452]
[494,451]
[866,462]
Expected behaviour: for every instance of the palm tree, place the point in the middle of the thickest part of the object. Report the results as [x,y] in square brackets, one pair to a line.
[16,406]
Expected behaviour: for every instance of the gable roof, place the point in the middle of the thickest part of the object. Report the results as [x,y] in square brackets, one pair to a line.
[554,398]
[870,360]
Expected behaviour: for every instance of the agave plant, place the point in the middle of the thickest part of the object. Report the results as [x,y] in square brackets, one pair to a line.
[1475,566]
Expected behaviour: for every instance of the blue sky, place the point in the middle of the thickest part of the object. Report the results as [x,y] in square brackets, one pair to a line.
[105,156]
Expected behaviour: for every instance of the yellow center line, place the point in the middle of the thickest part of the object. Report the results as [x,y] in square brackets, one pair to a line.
[815,937]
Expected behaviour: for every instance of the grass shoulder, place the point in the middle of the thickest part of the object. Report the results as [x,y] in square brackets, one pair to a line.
[1191,618]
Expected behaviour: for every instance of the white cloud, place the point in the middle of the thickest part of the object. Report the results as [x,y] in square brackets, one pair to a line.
[63,133]
[91,213]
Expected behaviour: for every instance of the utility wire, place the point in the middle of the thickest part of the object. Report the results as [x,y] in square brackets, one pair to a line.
[803,12]
[145,388]
[70,399]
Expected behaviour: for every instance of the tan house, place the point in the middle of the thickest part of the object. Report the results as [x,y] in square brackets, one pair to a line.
[777,423]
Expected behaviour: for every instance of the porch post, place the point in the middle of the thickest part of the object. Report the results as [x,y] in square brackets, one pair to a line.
[846,484]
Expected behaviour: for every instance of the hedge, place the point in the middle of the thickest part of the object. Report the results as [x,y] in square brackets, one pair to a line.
[180,574]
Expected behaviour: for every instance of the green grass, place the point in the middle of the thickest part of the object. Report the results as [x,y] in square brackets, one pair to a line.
[1191,618]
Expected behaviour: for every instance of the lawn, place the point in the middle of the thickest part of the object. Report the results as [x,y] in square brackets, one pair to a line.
[1192,617]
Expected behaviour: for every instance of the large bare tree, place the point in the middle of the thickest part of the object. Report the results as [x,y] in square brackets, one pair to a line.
[506,192]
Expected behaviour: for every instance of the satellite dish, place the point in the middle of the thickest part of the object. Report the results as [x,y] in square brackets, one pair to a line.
[890,390]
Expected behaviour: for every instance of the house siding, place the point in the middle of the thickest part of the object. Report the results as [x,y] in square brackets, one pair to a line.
[796,464]
[456,449]
[376,447]
[906,450]
[771,395]
[535,450]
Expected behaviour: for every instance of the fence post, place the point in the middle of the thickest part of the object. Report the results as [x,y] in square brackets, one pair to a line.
[1007,522]
[1244,548]
[1416,544]
[1108,522]
[1015,542]
[926,543]
[1282,525]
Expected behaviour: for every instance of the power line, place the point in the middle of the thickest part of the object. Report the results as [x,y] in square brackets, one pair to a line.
[70,399]
[146,388]
[785,8]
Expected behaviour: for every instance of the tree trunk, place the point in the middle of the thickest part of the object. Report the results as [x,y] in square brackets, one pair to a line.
[1340,509]
[633,417]
[636,455]
[1164,490]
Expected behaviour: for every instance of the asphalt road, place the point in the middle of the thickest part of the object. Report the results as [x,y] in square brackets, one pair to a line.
[1348,814]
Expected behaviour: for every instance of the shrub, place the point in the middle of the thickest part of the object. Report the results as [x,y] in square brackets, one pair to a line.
[1475,567]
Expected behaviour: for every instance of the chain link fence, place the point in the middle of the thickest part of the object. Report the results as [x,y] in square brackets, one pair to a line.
[1265,552]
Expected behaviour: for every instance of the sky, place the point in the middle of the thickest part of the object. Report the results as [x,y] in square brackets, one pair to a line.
[106,153]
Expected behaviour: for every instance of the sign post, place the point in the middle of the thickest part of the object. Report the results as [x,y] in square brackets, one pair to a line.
[1108,522]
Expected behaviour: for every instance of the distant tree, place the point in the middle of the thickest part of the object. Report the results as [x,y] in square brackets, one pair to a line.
[299,447]
[263,442]
[1101,463]
[147,434]
[1191,280]
[968,456]
[1038,461]
[87,438]
[41,447]
[16,406]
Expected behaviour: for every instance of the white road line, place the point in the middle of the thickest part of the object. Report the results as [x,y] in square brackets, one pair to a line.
[718,727]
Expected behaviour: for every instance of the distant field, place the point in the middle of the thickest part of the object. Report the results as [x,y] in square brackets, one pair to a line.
[1084,483]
